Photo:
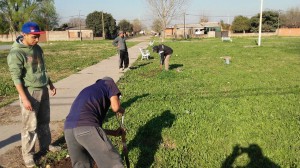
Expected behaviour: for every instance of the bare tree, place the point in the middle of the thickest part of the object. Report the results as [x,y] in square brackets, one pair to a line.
[76,22]
[137,26]
[291,18]
[166,10]
[204,19]
[156,26]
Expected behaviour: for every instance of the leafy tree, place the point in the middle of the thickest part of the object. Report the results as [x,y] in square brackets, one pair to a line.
[269,22]
[17,12]
[94,22]
[4,26]
[125,26]
[45,15]
[240,24]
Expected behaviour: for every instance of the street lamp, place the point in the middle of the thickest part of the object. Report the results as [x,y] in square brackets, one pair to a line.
[260,22]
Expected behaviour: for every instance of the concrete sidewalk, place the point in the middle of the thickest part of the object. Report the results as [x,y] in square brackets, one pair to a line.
[68,89]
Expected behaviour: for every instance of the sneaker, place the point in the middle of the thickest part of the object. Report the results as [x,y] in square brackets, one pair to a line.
[54,148]
[29,163]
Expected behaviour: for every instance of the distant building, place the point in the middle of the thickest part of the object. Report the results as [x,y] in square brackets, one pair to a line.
[206,29]
[74,32]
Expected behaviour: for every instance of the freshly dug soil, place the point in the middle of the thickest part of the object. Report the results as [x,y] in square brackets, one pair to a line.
[66,163]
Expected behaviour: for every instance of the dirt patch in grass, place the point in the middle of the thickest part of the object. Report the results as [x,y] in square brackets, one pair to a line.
[13,158]
[9,114]
[66,163]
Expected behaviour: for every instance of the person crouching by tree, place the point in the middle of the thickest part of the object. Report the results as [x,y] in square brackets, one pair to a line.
[165,53]
[85,137]
[120,43]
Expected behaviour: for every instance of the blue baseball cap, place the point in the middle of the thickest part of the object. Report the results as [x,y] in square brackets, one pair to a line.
[31,28]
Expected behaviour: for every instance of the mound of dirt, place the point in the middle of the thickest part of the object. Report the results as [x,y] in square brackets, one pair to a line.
[66,163]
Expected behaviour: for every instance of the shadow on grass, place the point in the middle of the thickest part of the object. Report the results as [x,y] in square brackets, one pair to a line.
[255,154]
[125,105]
[140,65]
[174,66]
[148,138]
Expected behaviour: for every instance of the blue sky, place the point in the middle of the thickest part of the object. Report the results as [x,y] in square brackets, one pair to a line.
[137,9]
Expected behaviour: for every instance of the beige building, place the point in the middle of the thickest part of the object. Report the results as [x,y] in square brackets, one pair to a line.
[206,29]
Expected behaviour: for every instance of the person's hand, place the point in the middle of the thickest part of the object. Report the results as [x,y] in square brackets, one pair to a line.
[53,90]
[120,112]
[27,104]
[119,131]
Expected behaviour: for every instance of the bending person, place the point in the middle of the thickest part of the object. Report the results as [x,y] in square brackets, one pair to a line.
[165,53]
[83,130]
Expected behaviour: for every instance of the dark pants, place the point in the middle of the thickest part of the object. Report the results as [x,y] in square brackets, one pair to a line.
[85,142]
[124,59]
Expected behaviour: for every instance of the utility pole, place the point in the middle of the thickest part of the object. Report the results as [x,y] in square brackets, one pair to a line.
[80,27]
[260,22]
[103,31]
[184,26]
[278,24]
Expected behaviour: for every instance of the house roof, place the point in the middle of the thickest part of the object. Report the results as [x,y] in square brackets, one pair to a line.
[210,24]
[188,26]
[79,28]
[201,25]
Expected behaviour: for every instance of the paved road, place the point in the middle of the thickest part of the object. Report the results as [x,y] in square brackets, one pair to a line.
[4,47]
[67,90]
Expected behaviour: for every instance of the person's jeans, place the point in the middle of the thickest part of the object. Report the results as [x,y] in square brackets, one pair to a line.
[85,142]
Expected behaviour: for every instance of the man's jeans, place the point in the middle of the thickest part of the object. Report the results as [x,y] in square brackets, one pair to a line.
[85,142]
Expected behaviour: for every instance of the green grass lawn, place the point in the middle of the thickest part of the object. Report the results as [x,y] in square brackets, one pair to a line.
[205,113]
[62,59]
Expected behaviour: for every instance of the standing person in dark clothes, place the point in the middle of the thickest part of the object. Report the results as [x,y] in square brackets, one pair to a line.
[165,53]
[83,130]
[120,43]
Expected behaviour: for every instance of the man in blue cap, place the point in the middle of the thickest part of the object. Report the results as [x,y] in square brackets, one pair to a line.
[27,67]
